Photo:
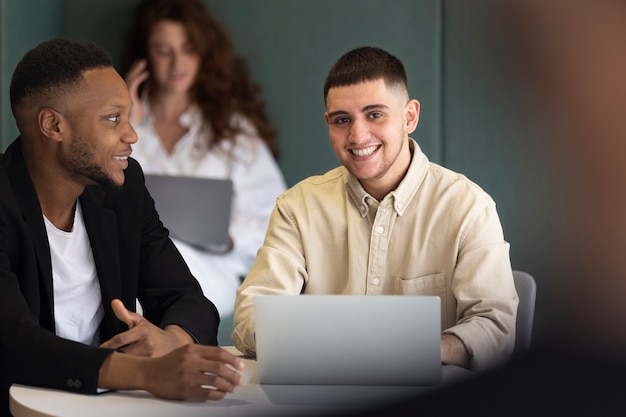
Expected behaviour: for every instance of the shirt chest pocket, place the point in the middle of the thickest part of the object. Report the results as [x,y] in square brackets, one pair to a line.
[434,284]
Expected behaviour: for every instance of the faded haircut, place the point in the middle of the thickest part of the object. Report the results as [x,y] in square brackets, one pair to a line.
[52,68]
[365,64]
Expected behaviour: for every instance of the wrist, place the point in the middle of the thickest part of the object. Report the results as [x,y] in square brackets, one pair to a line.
[181,334]
[122,371]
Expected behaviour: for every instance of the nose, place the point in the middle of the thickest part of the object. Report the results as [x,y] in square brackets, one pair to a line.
[129,135]
[177,57]
[358,130]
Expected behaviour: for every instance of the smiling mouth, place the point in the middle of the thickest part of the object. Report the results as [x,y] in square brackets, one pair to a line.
[121,158]
[364,151]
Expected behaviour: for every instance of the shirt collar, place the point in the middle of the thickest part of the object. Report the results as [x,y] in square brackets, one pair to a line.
[191,119]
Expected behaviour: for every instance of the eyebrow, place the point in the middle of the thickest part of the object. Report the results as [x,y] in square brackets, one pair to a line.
[363,110]
[115,107]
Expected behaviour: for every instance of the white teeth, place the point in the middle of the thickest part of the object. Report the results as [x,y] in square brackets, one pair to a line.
[121,158]
[365,151]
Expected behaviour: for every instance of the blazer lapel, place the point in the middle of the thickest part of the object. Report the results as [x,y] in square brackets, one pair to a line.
[101,226]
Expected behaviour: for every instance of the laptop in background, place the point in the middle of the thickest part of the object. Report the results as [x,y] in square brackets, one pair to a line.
[348,339]
[195,210]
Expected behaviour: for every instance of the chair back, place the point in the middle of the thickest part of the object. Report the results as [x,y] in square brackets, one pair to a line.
[527,292]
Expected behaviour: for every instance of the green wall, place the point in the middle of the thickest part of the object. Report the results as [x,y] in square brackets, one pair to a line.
[492,134]
[458,67]
[21,29]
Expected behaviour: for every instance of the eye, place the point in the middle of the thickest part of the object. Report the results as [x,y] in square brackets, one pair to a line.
[114,118]
[161,51]
[375,115]
[189,49]
[341,120]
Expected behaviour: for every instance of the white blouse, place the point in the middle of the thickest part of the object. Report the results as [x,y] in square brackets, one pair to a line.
[257,181]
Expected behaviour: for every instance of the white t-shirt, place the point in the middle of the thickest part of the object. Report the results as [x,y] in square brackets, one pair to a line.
[78,308]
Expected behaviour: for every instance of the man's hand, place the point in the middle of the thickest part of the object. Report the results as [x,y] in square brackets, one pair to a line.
[192,372]
[142,337]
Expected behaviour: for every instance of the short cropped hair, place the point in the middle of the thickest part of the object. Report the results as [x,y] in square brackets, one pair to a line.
[365,64]
[54,67]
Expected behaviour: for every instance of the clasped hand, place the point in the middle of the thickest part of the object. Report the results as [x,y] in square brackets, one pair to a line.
[166,362]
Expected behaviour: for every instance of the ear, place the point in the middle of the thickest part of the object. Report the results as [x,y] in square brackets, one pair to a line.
[411,115]
[51,123]
[326,119]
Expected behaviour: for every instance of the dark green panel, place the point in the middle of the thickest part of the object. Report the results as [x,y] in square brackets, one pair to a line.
[23,25]
[291,44]
[103,22]
[491,134]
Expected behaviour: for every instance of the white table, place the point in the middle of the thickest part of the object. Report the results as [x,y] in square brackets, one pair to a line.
[251,399]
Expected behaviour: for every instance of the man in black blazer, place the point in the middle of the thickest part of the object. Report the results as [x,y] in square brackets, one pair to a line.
[70,167]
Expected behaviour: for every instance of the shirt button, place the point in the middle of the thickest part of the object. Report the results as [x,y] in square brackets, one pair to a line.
[380,229]
[375,281]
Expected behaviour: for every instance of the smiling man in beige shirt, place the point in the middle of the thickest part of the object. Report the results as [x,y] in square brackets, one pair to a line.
[388,222]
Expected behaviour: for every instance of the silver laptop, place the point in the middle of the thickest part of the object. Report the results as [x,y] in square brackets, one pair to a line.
[348,339]
[195,210]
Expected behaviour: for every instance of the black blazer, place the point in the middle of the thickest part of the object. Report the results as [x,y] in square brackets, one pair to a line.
[134,257]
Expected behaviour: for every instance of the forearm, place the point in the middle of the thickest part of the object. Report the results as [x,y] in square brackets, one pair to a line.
[122,371]
[453,351]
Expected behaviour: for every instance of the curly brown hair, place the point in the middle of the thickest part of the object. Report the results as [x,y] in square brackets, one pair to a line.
[223,87]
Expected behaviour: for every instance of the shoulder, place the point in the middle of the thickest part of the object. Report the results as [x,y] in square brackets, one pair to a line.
[331,183]
[455,182]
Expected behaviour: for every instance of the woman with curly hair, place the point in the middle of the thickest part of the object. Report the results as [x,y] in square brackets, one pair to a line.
[197,113]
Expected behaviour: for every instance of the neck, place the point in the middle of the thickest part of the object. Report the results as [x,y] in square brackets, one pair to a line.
[169,106]
[56,192]
[62,220]
[58,203]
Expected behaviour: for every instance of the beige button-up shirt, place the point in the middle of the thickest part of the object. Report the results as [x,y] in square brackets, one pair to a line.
[438,234]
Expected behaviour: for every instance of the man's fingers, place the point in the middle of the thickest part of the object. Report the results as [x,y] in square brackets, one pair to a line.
[131,319]
[115,342]
[219,355]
